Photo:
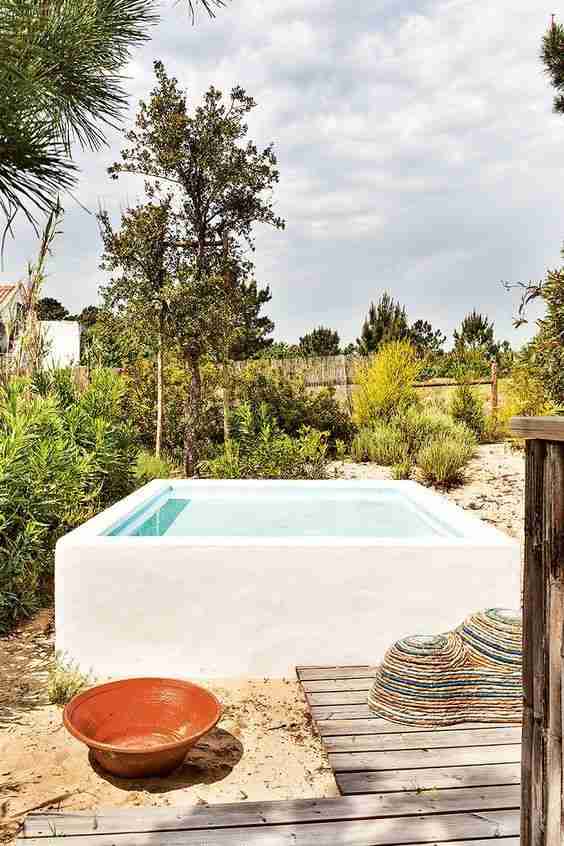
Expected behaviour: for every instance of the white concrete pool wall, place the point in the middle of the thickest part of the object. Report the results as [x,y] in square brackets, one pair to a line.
[218,607]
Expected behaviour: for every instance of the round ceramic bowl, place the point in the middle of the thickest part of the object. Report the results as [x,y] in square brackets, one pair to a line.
[141,727]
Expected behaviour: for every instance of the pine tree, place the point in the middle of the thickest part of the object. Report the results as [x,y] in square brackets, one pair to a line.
[386,321]
[476,332]
[320,342]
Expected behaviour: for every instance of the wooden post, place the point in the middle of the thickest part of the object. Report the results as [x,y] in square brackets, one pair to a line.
[543,596]
[494,391]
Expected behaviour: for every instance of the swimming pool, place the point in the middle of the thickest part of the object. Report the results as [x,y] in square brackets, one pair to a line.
[283,511]
[222,578]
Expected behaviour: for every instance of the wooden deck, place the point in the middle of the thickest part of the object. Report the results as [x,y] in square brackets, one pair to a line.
[400,785]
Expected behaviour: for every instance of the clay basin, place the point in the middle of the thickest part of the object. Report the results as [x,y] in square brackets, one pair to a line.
[141,727]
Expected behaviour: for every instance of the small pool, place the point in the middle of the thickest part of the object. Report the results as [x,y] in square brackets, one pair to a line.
[199,578]
[317,511]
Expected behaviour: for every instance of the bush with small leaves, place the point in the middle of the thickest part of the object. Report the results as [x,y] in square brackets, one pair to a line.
[149,467]
[442,461]
[467,407]
[65,680]
[259,450]
[403,469]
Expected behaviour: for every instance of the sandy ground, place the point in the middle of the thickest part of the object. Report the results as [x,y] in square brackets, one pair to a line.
[263,748]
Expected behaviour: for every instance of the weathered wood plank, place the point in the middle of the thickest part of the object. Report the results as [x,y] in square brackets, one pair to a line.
[332,685]
[341,712]
[405,759]
[375,725]
[338,697]
[380,832]
[542,428]
[435,778]
[313,673]
[422,740]
[114,821]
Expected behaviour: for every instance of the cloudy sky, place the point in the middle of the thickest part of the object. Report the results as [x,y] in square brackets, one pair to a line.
[417,149]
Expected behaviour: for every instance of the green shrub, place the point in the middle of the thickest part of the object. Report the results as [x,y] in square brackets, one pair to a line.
[62,459]
[292,406]
[442,461]
[387,445]
[65,680]
[140,406]
[494,430]
[383,444]
[419,428]
[385,383]
[148,467]
[341,450]
[360,447]
[466,407]
[259,450]
[403,469]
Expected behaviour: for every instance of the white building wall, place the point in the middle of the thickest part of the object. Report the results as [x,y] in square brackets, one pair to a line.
[62,341]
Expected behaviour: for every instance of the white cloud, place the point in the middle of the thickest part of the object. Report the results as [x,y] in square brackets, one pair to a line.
[417,148]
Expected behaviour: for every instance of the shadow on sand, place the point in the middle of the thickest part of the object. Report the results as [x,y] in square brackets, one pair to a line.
[211,760]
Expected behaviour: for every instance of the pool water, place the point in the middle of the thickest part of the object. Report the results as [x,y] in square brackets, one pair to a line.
[373,514]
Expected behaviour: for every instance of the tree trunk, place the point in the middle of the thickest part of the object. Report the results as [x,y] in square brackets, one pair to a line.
[226,403]
[160,379]
[192,415]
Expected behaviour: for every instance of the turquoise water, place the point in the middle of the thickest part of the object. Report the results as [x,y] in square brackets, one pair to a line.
[387,514]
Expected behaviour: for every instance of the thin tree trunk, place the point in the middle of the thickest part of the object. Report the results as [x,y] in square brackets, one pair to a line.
[226,404]
[160,378]
[192,415]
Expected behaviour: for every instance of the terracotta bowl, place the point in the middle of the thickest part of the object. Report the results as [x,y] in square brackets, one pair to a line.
[141,727]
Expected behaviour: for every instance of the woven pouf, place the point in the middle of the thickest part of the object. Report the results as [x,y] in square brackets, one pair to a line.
[493,639]
[453,677]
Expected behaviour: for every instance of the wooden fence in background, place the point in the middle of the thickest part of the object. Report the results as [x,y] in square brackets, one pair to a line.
[334,371]
[339,371]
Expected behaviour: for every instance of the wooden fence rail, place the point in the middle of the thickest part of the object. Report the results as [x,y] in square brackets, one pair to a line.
[543,619]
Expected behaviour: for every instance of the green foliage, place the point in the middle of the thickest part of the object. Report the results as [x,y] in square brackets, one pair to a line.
[385,383]
[341,450]
[443,460]
[223,187]
[279,349]
[139,404]
[383,444]
[425,339]
[149,466]
[525,392]
[403,469]
[60,82]
[476,333]
[320,342]
[386,321]
[427,438]
[260,450]
[421,426]
[466,407]
[50,309]
[546,350]
[552,56]
[64,455]
[65,680]
[292,406]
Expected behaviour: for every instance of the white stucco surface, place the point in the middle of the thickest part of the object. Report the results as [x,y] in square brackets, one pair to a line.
[62,340]
[225,606]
